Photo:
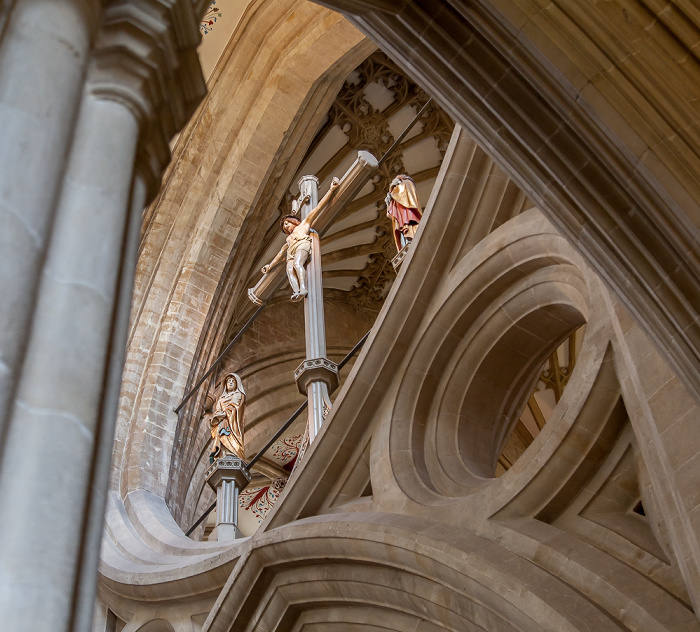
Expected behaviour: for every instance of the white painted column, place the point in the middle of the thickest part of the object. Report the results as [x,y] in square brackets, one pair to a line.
[55,440]
[227,511]
[44,47]
[313,304]
[227,476]
[317,388]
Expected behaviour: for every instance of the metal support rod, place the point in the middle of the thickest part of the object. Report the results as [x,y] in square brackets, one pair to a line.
[278,434]
[284,427]
[200,519]
[402,135]
[354,350]
[220,358]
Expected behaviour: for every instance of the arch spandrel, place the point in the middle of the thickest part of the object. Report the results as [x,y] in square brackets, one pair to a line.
[482,347]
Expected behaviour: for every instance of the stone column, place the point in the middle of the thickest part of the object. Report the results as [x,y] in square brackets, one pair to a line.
[143,83]
[44,49]
[227,476]
[317,376]
[104,444]
[54,429]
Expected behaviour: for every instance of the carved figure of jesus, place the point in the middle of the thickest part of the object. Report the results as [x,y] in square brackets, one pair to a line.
[227,420]
[298,251]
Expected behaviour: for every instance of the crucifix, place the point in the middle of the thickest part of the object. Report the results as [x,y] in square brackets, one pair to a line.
[317,376]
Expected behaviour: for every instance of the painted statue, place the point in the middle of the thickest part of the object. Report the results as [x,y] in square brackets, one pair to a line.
[403,208]
[227,420]
[298,251]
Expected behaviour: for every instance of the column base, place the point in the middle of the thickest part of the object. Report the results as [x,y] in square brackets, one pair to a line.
[225,533]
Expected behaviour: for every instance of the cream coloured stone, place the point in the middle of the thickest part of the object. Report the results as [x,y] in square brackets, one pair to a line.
[393,518]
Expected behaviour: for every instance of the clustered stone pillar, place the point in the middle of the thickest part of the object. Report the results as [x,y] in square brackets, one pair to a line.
[317,376]
[84,142]
[59,393]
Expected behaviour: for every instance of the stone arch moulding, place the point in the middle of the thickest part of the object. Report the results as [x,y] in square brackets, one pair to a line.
[324,565]
[156,625]
[599,129]
[502,311]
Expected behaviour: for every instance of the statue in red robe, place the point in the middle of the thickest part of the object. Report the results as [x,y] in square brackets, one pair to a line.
[403,208]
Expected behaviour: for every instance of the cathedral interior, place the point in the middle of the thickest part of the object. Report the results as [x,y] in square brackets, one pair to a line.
[501,430]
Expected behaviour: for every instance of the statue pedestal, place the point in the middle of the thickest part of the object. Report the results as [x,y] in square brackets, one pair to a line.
[227,476]
[398,259]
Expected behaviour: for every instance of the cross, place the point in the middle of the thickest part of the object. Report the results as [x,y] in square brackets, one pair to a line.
[317,376]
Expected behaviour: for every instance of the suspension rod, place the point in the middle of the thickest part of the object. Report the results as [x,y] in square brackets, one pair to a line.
[220,358]
[402,135]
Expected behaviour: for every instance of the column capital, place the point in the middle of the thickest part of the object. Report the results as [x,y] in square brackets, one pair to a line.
[145,57]
[314,369]
[228,469]
[304,179]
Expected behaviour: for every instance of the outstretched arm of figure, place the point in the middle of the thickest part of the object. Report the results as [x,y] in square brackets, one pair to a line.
[279,258]
[335,183]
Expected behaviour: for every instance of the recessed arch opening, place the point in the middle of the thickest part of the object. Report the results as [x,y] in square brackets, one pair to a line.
[480,357]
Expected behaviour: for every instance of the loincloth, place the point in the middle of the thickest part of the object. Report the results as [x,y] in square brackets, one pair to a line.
[301,245]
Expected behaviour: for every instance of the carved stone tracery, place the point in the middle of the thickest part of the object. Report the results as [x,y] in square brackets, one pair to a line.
[368,128]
